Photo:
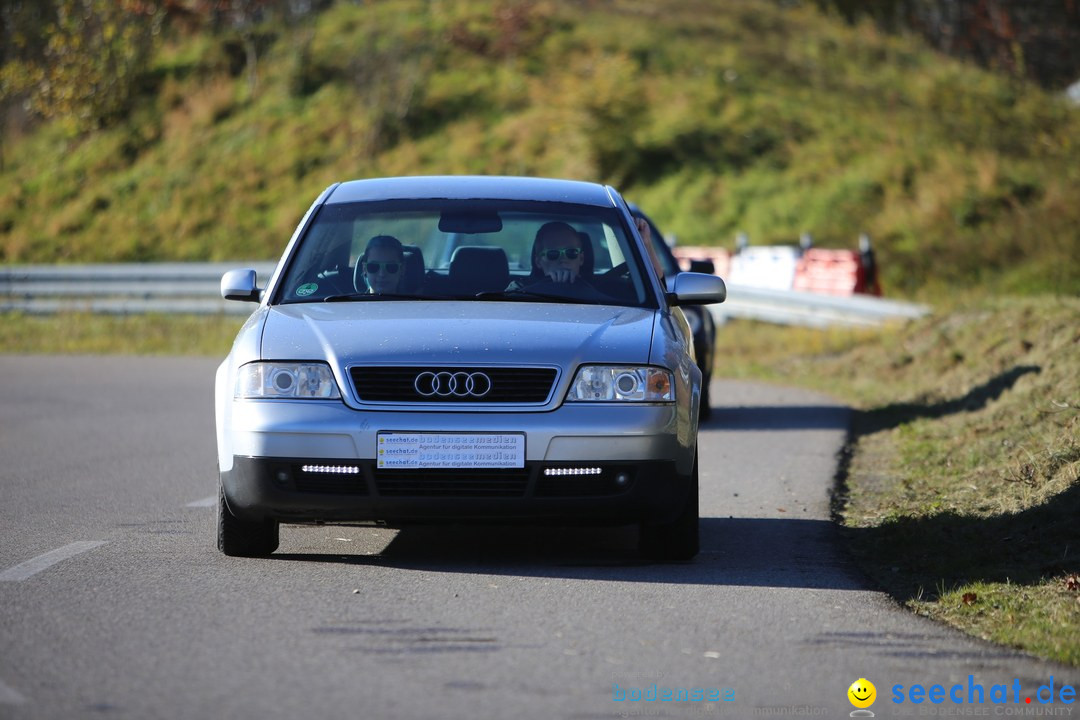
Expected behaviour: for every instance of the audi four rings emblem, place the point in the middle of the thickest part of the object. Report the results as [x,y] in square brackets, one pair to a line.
[452,384]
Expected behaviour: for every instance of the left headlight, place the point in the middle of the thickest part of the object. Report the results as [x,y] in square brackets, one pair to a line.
[603,383]
[286,380]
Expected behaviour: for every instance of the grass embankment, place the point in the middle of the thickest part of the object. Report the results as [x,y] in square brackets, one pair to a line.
[717,116]
[81,333]
[961,495]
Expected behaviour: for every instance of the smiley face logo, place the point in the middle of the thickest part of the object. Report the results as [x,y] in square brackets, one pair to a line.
[862,693]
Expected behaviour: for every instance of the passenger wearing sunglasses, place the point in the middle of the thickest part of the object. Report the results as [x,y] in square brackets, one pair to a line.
[382,265]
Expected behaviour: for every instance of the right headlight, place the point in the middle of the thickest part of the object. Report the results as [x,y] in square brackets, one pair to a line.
[607,383]
[307,381]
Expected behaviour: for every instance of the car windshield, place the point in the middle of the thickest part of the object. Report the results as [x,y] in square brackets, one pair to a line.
[476,250]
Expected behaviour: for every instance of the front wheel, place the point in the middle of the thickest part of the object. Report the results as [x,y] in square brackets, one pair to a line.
[678,539]
[243,538]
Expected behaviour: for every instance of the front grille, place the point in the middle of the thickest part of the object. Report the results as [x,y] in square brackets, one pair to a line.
[452,482]
[507,384]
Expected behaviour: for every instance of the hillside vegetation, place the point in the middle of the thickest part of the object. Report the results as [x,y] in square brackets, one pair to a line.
[718,117]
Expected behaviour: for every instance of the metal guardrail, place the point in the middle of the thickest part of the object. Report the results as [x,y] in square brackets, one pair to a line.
[194,288]
[123,289]
[796,307]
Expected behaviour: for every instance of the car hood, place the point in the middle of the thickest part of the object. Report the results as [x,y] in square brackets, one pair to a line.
[472,332]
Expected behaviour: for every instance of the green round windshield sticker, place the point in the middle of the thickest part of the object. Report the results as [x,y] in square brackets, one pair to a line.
[306,289]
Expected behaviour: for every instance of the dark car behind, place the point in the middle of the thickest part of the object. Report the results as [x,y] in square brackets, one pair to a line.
[700,319]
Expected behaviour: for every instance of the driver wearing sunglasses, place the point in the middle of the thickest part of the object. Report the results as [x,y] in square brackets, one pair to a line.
[558,256]
[383,264]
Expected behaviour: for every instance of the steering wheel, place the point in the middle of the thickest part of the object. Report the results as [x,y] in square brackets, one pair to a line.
[619,272]
[578,290]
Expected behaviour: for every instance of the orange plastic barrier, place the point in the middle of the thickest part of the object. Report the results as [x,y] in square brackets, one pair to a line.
[833,272]
[816,270]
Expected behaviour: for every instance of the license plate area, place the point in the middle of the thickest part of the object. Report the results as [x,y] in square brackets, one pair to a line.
[449,450]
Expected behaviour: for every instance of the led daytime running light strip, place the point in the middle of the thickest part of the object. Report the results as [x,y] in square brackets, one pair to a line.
[573,471]
[332,469]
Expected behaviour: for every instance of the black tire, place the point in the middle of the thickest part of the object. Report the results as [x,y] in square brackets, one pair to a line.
[678,539]
[241,538]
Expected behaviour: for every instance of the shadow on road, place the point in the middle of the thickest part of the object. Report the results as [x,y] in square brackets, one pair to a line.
[763,552]
[753,552]
[786,417]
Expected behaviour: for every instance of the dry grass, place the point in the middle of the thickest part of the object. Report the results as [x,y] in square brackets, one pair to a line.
[78,333]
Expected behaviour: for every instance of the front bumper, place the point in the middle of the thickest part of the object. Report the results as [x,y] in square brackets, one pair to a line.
[643,452]
[302,490]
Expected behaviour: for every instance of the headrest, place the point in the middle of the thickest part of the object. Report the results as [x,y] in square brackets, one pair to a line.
[414,269]
[480,269]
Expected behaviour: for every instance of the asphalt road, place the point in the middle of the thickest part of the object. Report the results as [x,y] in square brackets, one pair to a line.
[115,603]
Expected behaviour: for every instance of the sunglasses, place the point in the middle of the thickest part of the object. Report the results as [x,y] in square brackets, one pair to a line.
[374,267]
[570,253]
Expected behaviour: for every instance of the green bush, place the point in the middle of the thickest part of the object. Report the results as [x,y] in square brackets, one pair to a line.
[717,117]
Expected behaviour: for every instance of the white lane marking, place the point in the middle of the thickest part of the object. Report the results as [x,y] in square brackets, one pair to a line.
[205,502]
[8,696]
[32,567]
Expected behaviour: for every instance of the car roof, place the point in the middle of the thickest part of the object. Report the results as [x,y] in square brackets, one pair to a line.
[470,187]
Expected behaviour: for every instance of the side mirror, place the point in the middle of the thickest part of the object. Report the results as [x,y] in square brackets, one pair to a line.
[240,285]
[703,266]
[691,288]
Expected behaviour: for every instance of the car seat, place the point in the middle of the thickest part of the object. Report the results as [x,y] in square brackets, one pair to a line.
[475,269]
[413,278]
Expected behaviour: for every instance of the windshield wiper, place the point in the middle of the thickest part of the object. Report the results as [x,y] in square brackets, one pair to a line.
[348,297]
[520,295]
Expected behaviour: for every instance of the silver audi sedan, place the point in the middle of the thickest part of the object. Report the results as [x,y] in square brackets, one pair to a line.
[462,350]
